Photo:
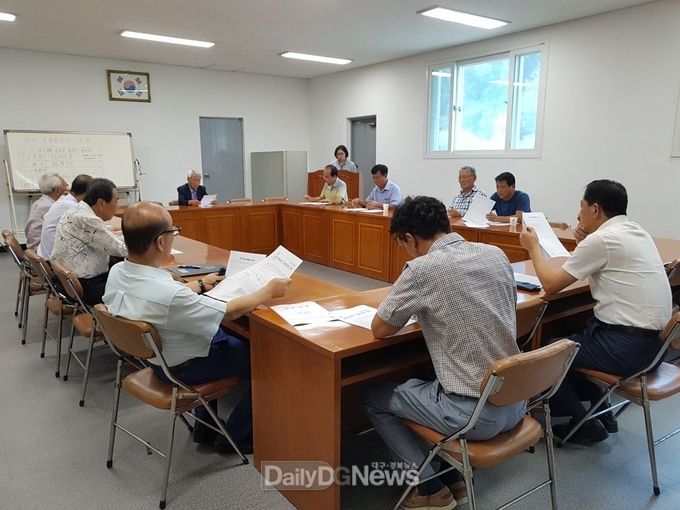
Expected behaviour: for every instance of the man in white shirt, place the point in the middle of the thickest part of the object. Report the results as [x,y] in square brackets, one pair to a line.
[52,186]
[58,208]
[83,242]
[633,301]
[188,323]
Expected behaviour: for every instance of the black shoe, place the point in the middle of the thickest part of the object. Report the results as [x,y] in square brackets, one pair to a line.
[203,435]
[609,421]
[224,447]
[590,432]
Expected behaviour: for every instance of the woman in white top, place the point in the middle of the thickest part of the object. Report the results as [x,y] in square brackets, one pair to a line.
[342,161]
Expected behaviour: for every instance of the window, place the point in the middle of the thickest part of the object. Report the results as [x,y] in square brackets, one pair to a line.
[487,105]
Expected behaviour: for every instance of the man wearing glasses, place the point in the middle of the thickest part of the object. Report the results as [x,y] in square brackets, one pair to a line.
[84,244]
[467,176]
[195,348]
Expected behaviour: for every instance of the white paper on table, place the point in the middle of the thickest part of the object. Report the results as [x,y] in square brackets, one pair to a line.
[354,209]
[472,224]
[527,278]
[370,210]
[312,203]
[241,260]
[497,223]
[479,208]
[361,315]
[207,200]
[307,312]
[175,252]
[546,236]
[279,264]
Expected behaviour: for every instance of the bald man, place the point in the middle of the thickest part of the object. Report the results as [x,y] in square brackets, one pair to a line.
[195,348]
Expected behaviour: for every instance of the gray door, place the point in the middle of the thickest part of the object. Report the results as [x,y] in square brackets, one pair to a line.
[222,156]
[363,149]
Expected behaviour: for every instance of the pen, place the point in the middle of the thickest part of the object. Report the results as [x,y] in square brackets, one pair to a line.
[188,266]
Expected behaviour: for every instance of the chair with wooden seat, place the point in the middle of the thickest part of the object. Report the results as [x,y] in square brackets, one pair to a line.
[56,303]
[274,200]
[642,388]
[533,376]
[84,322]
[30,283]
[529,317]
[138,339]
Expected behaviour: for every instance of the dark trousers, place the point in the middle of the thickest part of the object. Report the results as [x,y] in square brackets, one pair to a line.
[93,288]
[228,357]
[617,352]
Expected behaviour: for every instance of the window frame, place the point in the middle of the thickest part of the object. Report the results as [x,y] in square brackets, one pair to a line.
[506,152]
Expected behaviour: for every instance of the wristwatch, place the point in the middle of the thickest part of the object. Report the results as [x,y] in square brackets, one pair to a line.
[201,285]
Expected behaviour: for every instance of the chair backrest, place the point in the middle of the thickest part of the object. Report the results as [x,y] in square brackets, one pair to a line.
[674,276]
[173,202]
[69,281]
[13,247]
[559,224]
[528,374]
[671,333]
[128,337]
[35,261]
[239,200]
[273,200]
[529,316]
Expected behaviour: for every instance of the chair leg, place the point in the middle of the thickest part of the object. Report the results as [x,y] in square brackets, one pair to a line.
[467,474]
[426,462]
[23,300]
[70,349]
[650,435]
[226,434]
[114,411]
[86,374]
[61,324]
[44,331]
[20,288]
[168,450]
[550,452]
[27,296]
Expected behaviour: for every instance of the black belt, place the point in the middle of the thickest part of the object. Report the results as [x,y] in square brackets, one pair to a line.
[630,330]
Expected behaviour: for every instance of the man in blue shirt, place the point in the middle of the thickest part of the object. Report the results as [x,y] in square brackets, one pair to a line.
[384,191]
[509,201]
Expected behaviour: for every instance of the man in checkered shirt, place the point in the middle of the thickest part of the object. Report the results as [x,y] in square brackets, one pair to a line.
[467,176]
[464,296]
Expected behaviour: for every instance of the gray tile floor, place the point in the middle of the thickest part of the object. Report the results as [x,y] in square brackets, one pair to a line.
[53,453]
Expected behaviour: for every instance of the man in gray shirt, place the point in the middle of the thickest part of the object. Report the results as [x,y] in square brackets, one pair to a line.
[464,296]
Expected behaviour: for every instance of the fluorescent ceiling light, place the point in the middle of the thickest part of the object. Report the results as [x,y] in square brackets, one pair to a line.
[167,39]
[6,16]
[463,18]
[316,58]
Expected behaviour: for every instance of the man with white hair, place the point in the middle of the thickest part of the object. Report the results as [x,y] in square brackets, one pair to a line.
[52,186]
[192,192]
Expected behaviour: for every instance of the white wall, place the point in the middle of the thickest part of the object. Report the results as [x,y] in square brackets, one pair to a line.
[66,93]
[612,90]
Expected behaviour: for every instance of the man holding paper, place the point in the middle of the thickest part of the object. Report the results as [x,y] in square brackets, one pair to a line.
[633,301]
[194,346]
[192,192]
[464,297]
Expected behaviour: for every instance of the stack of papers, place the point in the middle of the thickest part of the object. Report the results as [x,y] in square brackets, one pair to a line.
[279,264]
[546,236]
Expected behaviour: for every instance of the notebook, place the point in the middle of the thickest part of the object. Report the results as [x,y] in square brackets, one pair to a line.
[201,269]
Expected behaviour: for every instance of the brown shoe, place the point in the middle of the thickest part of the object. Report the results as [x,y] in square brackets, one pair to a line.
[459,492]
[442,500]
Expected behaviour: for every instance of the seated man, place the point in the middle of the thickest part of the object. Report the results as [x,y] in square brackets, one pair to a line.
[384,191]
[52,217]
[192,192]
[194,346]
[83,242]
[334,190]
[468,323]
[509,201]
[632,300]
[467,176]
[52,186]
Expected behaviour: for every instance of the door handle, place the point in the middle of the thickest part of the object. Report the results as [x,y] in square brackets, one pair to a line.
[206,175]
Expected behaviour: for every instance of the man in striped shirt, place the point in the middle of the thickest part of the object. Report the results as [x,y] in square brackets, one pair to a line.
[467,176]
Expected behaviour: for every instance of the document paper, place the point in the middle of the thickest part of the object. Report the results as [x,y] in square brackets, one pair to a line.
[307,312]
[479,208]
[241,260]
[279,264]
[361,315]
[546,236]
[207,200]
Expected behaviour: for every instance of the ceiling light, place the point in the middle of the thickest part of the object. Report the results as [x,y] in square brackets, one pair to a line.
[6,16]
[167,39]
[316,58]
[463,18]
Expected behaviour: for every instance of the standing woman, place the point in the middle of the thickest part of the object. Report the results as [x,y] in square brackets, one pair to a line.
[342,161]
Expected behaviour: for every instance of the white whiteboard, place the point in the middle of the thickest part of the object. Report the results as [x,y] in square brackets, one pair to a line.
[31,154]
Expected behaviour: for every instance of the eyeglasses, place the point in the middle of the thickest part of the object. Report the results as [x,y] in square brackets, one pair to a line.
[174,231]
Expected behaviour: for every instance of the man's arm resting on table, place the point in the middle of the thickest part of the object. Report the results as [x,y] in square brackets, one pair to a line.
[382,329]
[553,279]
